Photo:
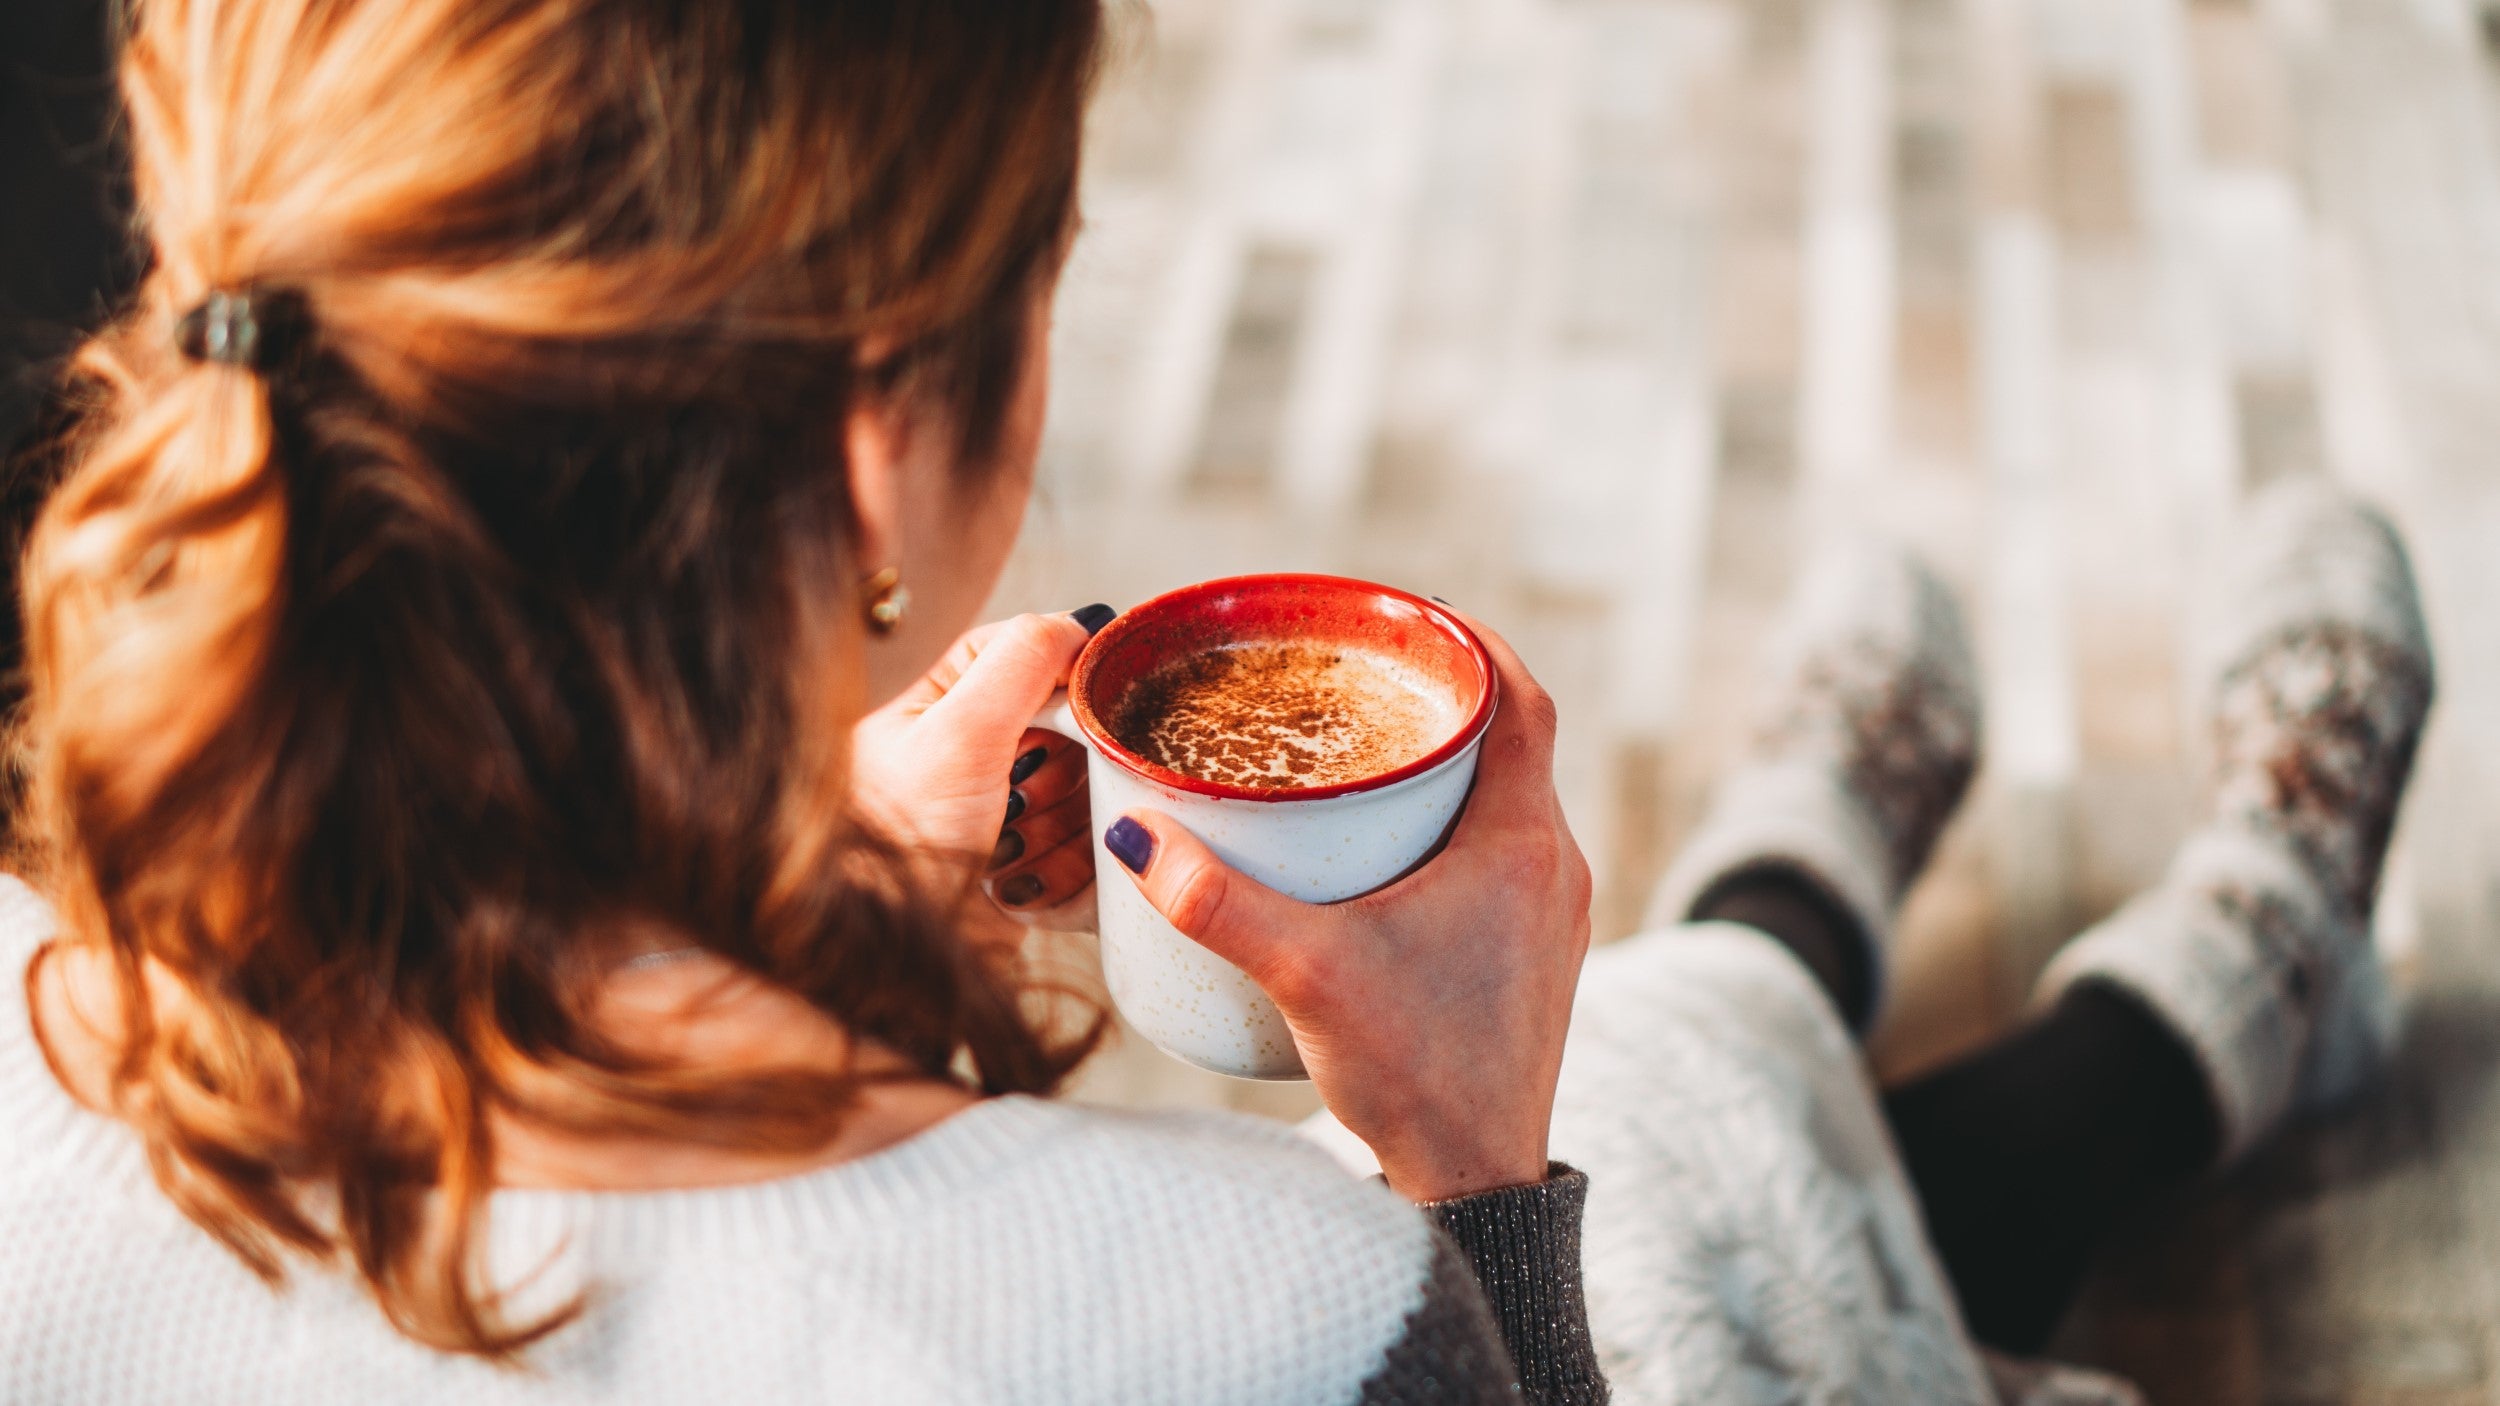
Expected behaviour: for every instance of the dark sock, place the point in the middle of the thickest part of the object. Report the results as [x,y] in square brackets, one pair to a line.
[2024,1153]
[1779,899]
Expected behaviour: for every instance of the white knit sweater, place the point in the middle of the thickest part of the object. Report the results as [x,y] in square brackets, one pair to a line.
[1021,1251]
[1750,1239]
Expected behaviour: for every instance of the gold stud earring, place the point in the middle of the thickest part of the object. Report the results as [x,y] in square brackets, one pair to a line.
[885,598]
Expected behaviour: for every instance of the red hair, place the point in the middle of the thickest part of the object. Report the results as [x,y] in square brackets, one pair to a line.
[376,696]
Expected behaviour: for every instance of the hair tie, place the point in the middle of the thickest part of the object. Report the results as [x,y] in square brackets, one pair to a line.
[255,329]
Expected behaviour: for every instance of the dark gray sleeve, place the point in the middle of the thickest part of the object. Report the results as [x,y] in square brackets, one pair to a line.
[1451,1352]
[1503,1317]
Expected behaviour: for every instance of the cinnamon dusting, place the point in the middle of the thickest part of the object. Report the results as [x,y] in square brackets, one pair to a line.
[1282,716]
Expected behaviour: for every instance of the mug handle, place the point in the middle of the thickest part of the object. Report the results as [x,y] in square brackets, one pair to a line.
[1056,716]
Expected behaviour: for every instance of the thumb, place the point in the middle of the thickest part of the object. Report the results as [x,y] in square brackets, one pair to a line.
[1013,667]
[1222,909]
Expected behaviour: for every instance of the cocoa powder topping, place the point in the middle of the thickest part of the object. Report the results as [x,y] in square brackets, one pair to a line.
[1282,716]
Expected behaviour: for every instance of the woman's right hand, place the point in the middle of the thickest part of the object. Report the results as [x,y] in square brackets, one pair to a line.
[1430,1013]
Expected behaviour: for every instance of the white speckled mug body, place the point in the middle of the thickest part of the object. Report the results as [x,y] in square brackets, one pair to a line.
[1195,1005]
[1329,842]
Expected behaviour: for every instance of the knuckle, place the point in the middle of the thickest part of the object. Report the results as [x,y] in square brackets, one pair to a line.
[1545,862]
[1198,899]
[1293,974]
[1537,709]
[1539,860]
[1527,864]
[1029,631]
[1582,881]
[1025,633]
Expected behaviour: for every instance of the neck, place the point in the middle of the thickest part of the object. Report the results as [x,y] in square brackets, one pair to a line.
[688,1006]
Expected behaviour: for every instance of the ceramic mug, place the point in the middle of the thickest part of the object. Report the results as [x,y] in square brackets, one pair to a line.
[1319,844]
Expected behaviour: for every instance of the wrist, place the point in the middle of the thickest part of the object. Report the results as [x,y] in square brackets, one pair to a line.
[1445,1176]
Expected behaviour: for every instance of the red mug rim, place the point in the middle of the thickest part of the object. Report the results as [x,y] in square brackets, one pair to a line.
[1080,691]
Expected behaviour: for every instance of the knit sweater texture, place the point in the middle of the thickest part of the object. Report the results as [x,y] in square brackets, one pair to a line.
[1750,1237]
[1019,1251]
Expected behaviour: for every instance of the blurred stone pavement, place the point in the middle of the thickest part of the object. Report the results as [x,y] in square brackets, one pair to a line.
[1593,315]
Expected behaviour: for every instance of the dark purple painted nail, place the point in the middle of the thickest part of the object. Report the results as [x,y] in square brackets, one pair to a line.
[1020,890]
[1093,617]
[1010,849]
[1015,807]
[1130,843]
[1026,765]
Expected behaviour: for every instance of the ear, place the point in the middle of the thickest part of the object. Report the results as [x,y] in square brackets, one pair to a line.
[873,450]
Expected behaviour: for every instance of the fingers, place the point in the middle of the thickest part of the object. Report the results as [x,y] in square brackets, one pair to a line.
[1045,852]
[1038,833]
[1078,913]
[1524,711]
[1052,780]
[1267,935]
[949,668]
[1515,769]
[1049,881]
[1003,673]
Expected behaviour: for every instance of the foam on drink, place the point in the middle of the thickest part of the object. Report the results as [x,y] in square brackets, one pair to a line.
[1277,716]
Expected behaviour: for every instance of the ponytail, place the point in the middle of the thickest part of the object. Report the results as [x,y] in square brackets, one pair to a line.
[451,577]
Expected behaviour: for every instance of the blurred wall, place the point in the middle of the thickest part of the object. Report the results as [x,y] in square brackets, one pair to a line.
[63,253]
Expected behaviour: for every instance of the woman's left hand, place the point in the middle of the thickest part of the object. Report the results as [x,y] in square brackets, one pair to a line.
[1431,1013]
[951,766]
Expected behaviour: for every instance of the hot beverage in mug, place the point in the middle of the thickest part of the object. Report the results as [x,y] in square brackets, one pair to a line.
[1285,715]
[1318,734]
